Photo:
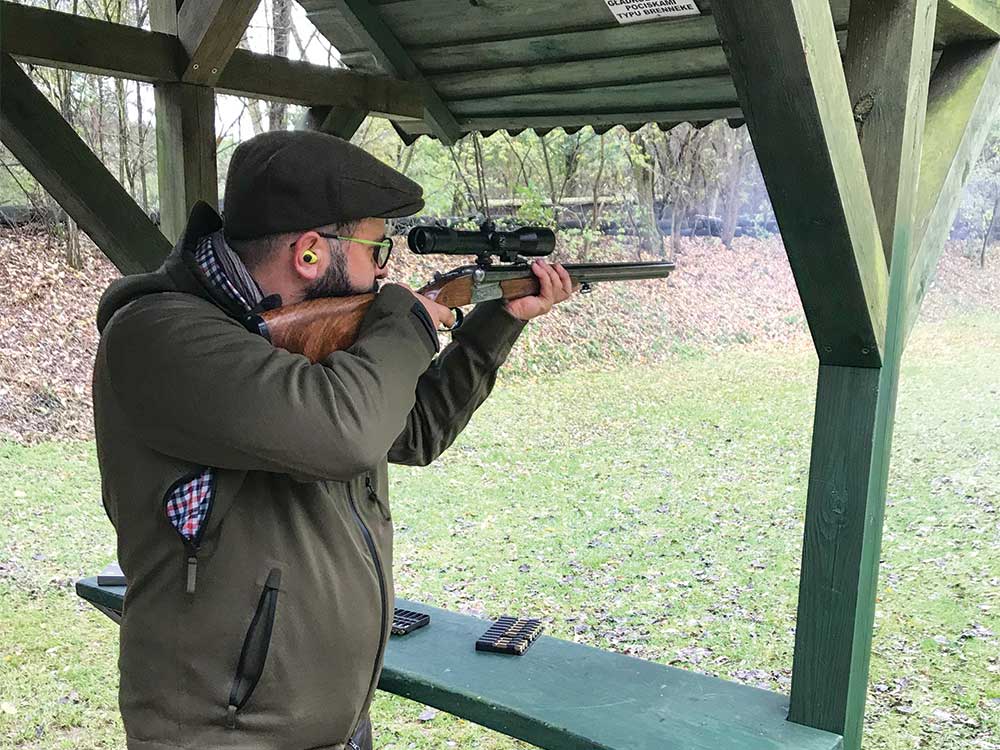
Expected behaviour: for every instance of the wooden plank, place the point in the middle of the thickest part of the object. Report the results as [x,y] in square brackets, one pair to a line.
[963,99]
[48,147]
[888,68]
[434,23]
[701,62]
[786,67]
[693,93]
[342,122]
[368,25]
[571,46]
[209,30]
[47,37]
[967,20]
[296,82]
[616,70]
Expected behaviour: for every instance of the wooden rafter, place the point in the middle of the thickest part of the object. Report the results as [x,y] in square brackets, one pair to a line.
[342,122]
[887,67]
[965,20]
[887,78]
[786,66]
[39,137]
[64,40]
[368,25]
[963,98]
[209,30]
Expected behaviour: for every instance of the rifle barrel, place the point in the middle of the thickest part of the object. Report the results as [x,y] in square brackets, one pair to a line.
[588,273]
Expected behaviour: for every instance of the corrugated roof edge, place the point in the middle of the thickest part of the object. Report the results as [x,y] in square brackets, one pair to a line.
[410,138]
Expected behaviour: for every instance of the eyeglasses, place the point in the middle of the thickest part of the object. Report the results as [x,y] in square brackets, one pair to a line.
[381,250]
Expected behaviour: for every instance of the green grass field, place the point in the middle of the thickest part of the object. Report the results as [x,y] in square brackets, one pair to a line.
[654,511]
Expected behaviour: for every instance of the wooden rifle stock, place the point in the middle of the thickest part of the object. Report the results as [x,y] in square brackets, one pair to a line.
[318,327]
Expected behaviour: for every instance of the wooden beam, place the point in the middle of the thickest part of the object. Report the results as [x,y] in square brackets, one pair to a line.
[888,69]
[368,25]
[186,168]
[887,66]
[786,65]
[342,122]
[50,149]
[968,20]
[64,40]
[89,45]
[209,30]
[296,82]
[963,99]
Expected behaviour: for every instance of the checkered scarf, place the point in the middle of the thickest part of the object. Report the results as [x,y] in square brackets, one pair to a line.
[226,271]
[189,501]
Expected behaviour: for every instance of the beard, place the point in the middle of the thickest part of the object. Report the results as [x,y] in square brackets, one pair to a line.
[334,283]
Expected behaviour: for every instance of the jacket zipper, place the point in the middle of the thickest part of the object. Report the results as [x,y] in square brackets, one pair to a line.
[373,496]
[381,587]
[191,545]
[256,644]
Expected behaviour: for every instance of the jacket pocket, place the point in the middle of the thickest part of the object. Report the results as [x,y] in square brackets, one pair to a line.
[255,646]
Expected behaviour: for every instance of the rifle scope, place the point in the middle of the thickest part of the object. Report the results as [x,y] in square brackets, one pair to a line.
[532,241]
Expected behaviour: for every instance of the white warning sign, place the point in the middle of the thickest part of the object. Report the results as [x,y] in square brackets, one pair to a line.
[630,11]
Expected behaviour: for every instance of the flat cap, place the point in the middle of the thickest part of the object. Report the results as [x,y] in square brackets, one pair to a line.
[287,181]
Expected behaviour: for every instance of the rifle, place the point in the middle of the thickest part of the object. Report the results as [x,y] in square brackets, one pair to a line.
[318,327]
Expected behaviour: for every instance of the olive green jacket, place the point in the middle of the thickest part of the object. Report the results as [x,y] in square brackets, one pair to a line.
[268,629]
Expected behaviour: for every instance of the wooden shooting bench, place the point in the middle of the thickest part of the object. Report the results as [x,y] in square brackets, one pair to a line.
[866,117]
[565,696]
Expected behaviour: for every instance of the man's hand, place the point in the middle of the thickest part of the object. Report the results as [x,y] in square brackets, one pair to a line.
[555,286]
[442,316]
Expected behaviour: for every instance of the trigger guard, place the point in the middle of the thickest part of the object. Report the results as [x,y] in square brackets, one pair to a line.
[459,317]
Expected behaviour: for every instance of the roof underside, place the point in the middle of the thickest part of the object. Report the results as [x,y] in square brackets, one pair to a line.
[542,64]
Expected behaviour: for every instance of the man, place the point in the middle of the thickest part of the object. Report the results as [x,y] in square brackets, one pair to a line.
[247,486]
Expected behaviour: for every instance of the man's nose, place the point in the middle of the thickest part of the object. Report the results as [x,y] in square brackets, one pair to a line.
[381,273]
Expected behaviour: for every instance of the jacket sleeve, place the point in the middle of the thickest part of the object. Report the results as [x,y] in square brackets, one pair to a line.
[196,385]
[455,385]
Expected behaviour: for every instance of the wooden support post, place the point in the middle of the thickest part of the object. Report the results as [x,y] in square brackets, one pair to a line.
[786,65]
[888,69]
[50,149]
[962,102]
[185,139]
[369,26]
[342,122]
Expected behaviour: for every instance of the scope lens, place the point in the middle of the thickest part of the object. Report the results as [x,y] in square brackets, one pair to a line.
[420,240]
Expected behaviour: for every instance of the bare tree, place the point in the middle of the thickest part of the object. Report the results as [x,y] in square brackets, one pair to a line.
[281,23]
[642,157]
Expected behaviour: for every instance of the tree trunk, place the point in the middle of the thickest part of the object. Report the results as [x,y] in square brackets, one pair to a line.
[281,21]
[680,216]
[989,232]
[595,209]
[650,238]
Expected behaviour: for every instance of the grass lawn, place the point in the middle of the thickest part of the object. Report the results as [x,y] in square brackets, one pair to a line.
[655,511]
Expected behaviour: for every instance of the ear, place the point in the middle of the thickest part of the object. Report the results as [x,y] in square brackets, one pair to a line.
[310,256]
